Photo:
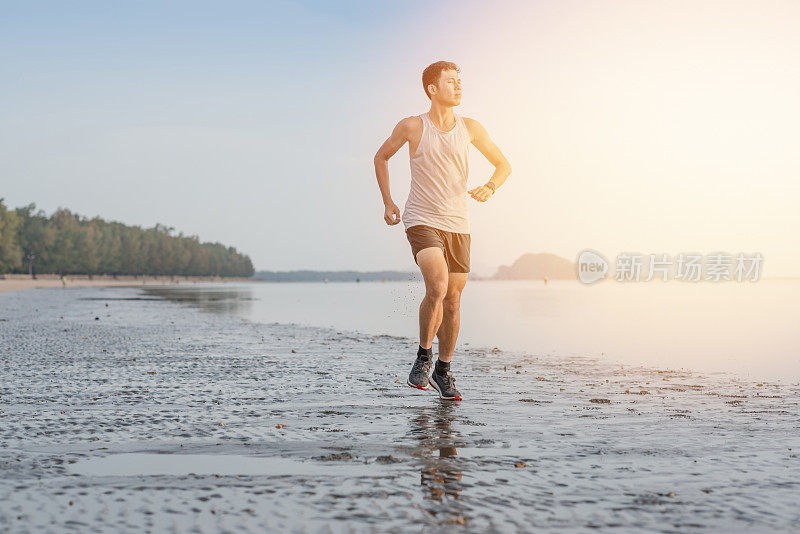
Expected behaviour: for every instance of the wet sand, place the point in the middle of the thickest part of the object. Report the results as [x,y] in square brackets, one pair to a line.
[124,411]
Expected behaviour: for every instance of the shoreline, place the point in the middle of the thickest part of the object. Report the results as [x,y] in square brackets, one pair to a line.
[19,282]
[622,365]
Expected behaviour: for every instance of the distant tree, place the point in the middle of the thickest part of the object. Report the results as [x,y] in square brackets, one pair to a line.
[10,251]
[35,236]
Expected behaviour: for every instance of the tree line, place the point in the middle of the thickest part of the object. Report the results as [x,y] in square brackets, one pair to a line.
[67,243]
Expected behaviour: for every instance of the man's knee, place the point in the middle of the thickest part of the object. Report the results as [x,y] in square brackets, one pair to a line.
[451,301]
[436,290]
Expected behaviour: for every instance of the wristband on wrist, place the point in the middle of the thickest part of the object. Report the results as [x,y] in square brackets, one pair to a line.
[491,186]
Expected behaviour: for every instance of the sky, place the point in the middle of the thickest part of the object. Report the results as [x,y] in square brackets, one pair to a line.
[648,127]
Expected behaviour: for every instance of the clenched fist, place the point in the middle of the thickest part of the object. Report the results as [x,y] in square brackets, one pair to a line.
[391,214]
[481,193]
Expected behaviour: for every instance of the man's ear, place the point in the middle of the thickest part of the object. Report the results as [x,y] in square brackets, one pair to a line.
[432,88]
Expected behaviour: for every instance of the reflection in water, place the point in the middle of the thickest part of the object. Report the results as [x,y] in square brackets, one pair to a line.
[217,299]
[440,474]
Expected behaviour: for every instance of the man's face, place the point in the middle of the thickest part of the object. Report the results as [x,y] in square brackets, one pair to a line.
[448,90]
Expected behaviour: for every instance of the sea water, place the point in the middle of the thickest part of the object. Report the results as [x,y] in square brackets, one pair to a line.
[749,328]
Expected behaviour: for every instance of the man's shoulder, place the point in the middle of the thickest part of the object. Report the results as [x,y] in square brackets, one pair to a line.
[412,122]
[474,128]
[471,123]
[409,127]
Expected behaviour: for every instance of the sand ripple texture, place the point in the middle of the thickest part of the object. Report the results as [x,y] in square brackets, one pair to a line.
[123,412]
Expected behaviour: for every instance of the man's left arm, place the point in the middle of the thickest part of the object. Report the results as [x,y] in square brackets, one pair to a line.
[502,169]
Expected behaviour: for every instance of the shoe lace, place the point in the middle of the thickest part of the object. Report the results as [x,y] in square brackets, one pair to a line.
[451,381]
[420,364]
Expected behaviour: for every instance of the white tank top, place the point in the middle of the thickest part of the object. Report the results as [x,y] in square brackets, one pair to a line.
[439,169]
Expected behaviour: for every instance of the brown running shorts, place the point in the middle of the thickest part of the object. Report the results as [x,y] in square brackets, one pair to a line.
[455,246]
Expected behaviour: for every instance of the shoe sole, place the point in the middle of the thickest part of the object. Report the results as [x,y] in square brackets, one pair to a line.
[424,388]
[457,397]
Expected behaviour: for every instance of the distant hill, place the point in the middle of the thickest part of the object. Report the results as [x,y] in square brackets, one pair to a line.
[336,276]
[536,267]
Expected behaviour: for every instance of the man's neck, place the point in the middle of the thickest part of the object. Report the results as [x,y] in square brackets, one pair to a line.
[442,116]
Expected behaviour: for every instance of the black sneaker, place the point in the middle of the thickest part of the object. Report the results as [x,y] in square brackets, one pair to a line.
[446,386]
[418,377]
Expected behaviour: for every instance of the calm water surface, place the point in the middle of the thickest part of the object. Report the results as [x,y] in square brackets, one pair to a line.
[749,329]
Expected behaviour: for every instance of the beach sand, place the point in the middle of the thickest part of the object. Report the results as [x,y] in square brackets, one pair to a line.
[123,411]
[16,282]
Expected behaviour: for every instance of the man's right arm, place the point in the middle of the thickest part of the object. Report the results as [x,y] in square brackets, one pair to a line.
[400,135]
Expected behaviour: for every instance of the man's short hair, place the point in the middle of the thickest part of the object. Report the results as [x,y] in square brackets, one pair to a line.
[432,72]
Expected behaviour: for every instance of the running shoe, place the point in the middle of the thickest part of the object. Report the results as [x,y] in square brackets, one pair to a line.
[446,386]
[418,377]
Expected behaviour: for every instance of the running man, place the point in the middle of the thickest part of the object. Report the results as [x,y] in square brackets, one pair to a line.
[436,215]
